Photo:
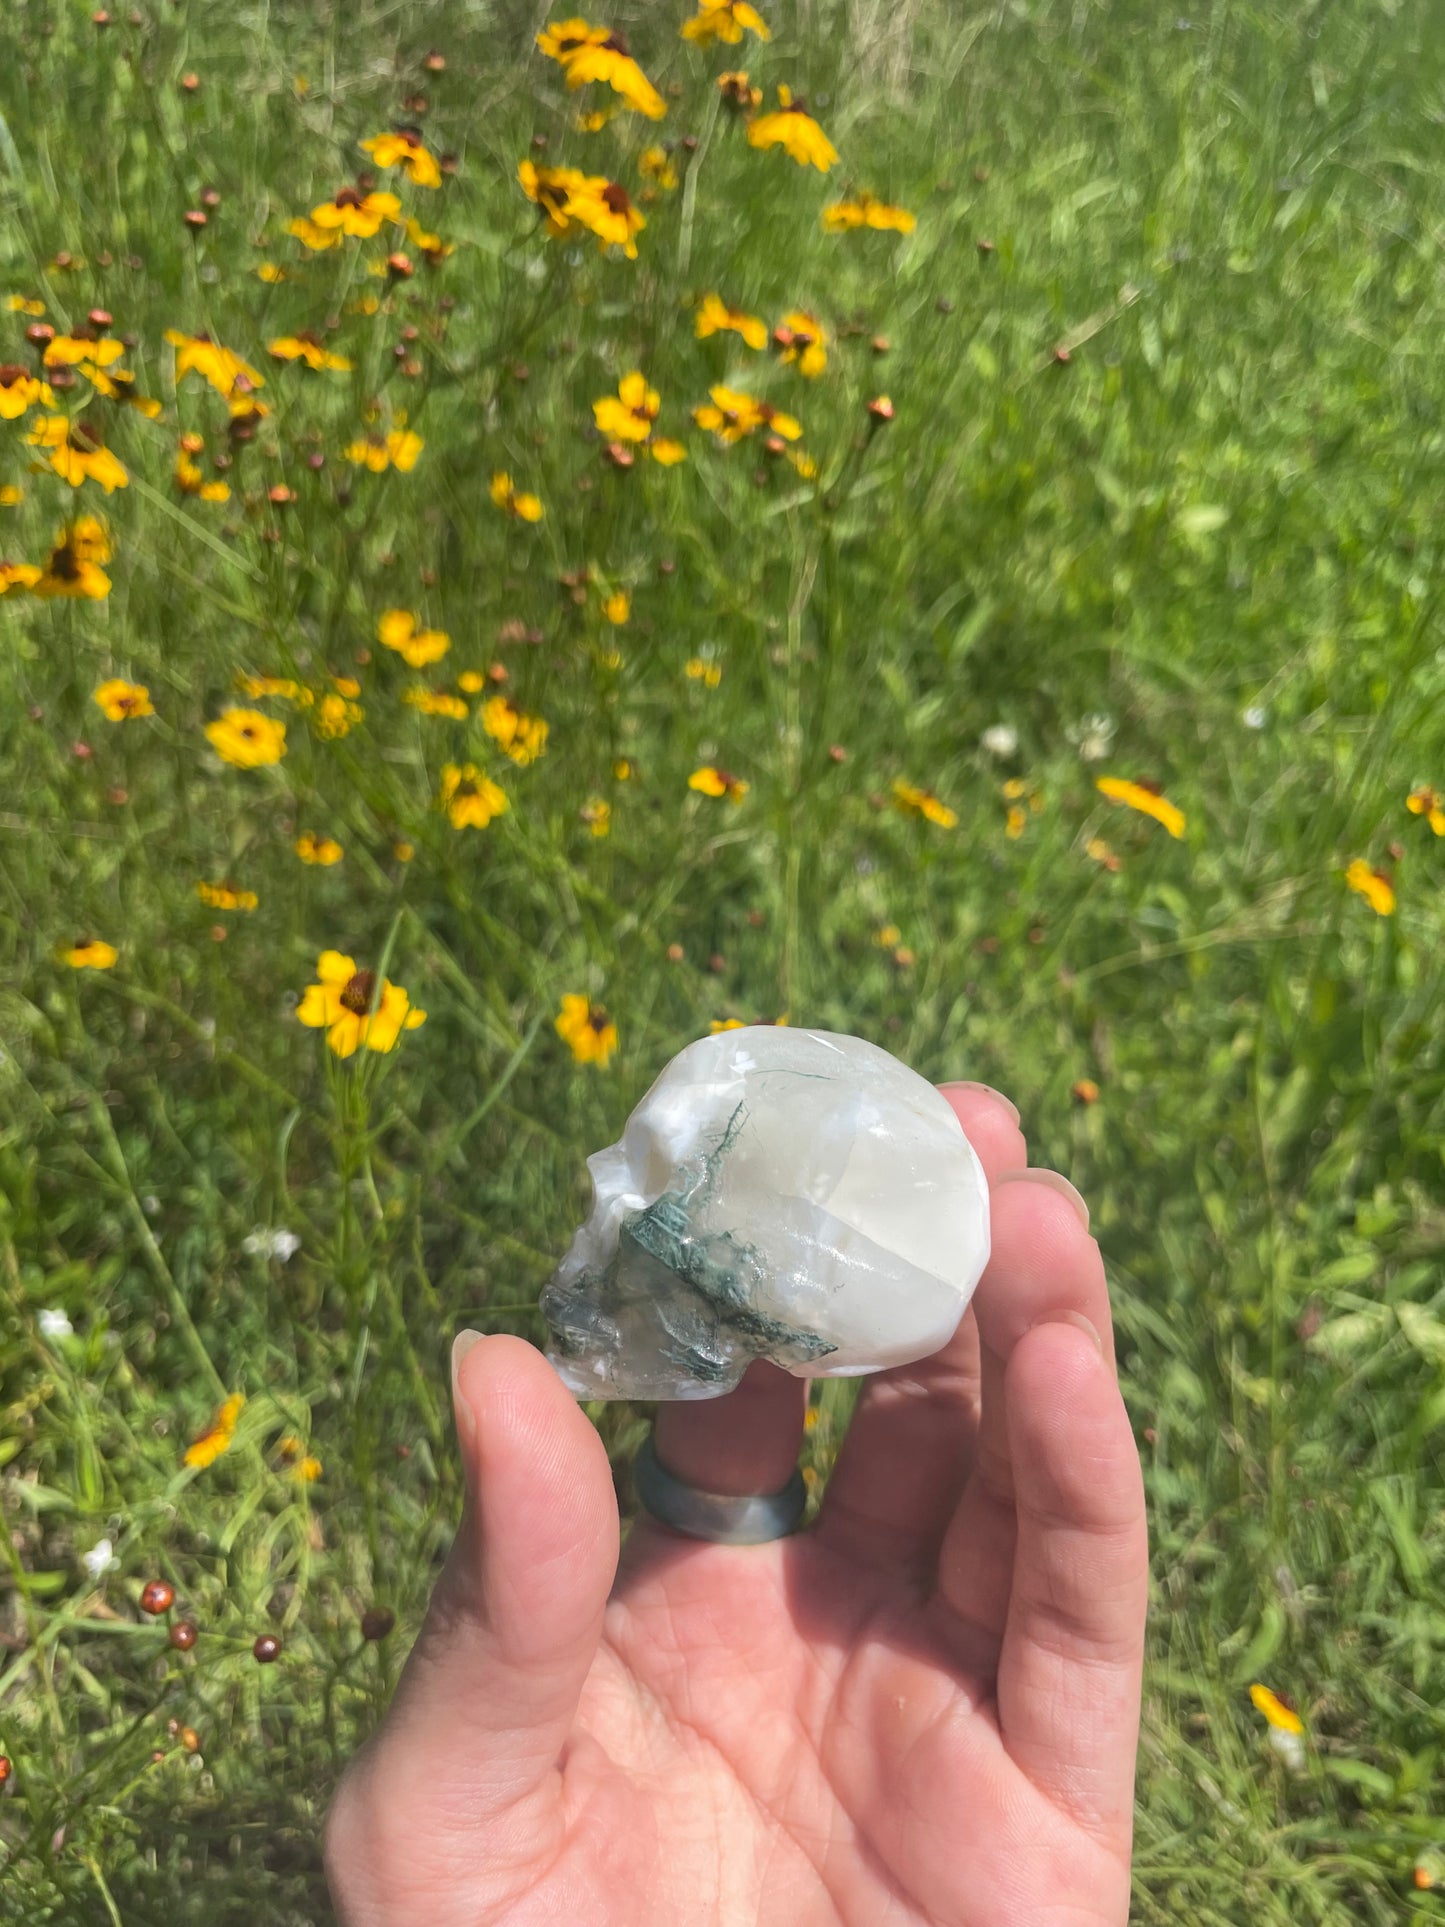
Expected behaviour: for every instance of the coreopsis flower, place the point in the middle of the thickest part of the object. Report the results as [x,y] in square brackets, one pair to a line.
[624,770]
[628,415]
[11,495]
[1098,851]
[272,273]
[588,1029]
[567,39]
[190,476]
[914,801]
[334,716]
[89,953]
[221,367]
[596,813]
[118,385]
[664,450]
[316,849]
[610,215]
[608,61]
[731,416]
[1084,1091]
[470,798]
[397,629]
[1015,793]
[399,449]
[1427,802]
[714,316]
[349,212]
[525,508]
[723,20]
[1373,885]
[517,734]
[73,351]
[302,1464]
[655,166]
[617,608]
[218,1435]
[436,702]
[1146,798]
[738,93]
[864,211]
[305,347]
[553,189]
[283,686]
[354,1009]
[1286,1728]
[793,128]
[18,575]
[225,896]
[711,781]
[19,390]
[247,739]
[120,701]
[719,1024]
[802,342]
[699,669]
[78,452]
[74,566]
[432,248]
[403,147]
[23,304]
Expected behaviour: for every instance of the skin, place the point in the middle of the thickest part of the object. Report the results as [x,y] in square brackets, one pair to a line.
[922,1710]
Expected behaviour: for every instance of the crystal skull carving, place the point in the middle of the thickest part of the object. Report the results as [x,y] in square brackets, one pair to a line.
[796,1195]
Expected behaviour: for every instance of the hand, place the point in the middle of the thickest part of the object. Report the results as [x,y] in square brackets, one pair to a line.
[924,1709]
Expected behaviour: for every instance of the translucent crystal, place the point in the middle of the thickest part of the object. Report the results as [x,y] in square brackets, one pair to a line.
[795,1195]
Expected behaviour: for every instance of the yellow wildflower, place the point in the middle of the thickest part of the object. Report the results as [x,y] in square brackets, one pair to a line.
[417,648]
[666,451]
[738,94]
[1275,1711]
[723,20]
[568,38]
[404,148]
[225,896]
[89,953]
[218,1435]
[190,477]
[270,273]
[323,850]
[19,390]
[470,798]
[1428,803]
[122,700]
[609,61]
[803,342]
[731,416]
[624,770]
[920,802]
[223,369]
[1373,885]
[596,813]
[349,211]
[520,736]
[714,316]
[553,189]
[431,246]
[864,211]
[1097,849]
[525,508]
[305,347]
[18,575]
[334,717]
[354,1009]
[73,568]
[11,495]
[71,351]
[698,669]
[793,128]
[246,739]
[78,452]
[617,607]
[711,781]
[588,1029]
[610,215]
[719,1024]
[22,304]
[628,415]
[398,450]
[654,164]
[436,702]
[1145,798]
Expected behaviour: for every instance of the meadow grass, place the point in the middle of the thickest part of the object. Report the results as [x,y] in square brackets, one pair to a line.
[1160,495]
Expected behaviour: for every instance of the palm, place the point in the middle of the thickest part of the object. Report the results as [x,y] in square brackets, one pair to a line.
[898,1716]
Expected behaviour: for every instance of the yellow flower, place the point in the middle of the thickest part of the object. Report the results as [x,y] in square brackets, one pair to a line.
[920,802]
[417,647]
[731,416]
[1144,798]
[305,347]
[270,273]
[436,702]
[224,370]
[20,390]
[864,211]
[472,681]
[190,477]
[403,147]
[350,1006]
[569,37]
[617,607]
[282,686]
[78,452]
[596,813]
[74,565]
[246,738]
[610,215]
[723,20]
[11,495]
[217,1437]
[470,798]
[1283,1718]
[310,235]
[609,61]
[628,415]
[225,896]
[22,304]
[588,1029]
[726,1023]
[521,736]
[334,716]
[432,246]
[18,575]
[89,953]
[403,851]
[666,451]
[525,508]
[70,351]
[554,188]
[1373,885]
[738,94]
[624,770]
[1097,849]
[710,781]
[324,850]
[803,342]
[350,212]
[122,700]
[655,164]
[793,128]
[398,450]
[714,316]
[1428,803]
[700,670]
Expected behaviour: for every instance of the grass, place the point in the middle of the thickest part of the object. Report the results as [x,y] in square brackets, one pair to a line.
[1221,498]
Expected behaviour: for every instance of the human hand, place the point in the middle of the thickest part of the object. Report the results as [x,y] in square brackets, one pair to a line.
[923,1709]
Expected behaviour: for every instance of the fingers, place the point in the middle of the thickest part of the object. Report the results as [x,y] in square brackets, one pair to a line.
[492,1685]
[1072,1657]
[1043,1266]
[747,1441]
[903,1463]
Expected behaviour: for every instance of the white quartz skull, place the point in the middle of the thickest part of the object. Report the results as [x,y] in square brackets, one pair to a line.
[796,1195]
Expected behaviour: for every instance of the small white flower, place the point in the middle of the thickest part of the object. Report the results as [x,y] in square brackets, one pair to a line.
[55,1324]
[263,1243]
[1255,717]
[1093,737]
[99,1560]
[1001,740]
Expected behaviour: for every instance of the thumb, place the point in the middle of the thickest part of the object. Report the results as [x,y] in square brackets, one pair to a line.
[491,1687]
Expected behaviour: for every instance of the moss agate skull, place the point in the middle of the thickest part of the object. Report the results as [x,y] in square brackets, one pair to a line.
[795,1195]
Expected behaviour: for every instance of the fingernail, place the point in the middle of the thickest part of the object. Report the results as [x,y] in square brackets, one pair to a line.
[1085,1325]
[465,1417]
[1051,1181]
[968,1084]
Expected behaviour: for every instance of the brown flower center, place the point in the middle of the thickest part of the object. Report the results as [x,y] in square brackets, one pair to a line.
[614,198]
[348,197]
[597,1017]
[10,374]
[358,993]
